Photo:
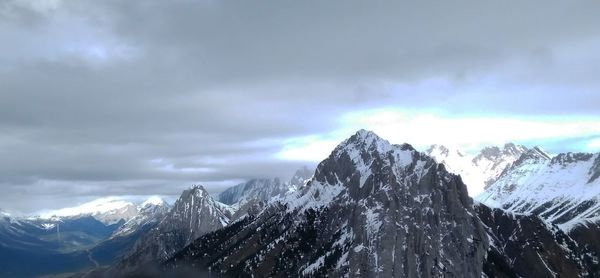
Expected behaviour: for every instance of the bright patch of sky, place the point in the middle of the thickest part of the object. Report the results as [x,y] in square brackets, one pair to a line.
[470,133]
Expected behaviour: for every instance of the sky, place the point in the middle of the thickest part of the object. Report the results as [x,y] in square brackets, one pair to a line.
[135,98]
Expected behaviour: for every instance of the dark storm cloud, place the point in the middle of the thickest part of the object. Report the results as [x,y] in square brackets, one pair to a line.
[147,97]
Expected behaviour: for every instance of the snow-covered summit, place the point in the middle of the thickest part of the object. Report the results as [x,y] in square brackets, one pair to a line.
[150,212]
[107,210]
[152,201]
[351,166]
[482,169]
[563,190]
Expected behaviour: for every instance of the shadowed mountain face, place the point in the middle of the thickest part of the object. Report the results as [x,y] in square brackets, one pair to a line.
[526,246]
[371,209]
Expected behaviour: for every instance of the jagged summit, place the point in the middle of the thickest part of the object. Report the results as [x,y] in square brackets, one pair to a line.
[364,145]
[368,139]
[495,152]
[196,187]
[364,138]
[534,155]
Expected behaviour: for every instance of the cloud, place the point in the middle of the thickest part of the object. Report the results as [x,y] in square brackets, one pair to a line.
[138,98]
[470,133]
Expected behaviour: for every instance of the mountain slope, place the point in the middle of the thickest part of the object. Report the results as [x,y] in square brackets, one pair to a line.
[481,170]
[150,213]
[564,190]
[371,209]
[193,214]
[525,246]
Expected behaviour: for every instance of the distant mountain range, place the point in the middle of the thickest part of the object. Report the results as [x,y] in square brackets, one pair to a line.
[377,209]
[370,209]
[74,239]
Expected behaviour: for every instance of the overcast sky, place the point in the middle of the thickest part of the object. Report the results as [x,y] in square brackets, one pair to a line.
[133,98]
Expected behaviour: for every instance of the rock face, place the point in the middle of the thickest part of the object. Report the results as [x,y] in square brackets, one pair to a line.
[372,209]
[562,190]
[194,214]
[525,246]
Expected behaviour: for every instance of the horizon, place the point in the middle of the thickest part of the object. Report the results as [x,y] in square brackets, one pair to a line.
[146,98]
[170,199]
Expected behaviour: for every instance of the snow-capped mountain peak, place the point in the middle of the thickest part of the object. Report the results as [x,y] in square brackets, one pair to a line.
[194,213]
[563,190]
[107,210]
[454,160]
[363,141]
[482,169]
[150,212]
[350,168]
[152,201]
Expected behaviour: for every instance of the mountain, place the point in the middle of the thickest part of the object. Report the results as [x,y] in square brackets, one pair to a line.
[481,170]
[371,209]
[255,189]
[264,189]
[564,190]
[252,195]
[300,178]
[492,161]
[109,210]
[193,214]
[150,213]
[76,240]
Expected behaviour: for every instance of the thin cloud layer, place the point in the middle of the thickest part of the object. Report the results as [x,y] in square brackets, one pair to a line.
[146,97]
